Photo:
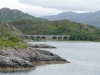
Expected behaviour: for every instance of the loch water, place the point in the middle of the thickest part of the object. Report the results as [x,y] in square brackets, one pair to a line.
[84,58]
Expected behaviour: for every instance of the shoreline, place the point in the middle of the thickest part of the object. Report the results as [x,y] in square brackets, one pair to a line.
[38,63]
[13,69]
[12,60]
[63,41]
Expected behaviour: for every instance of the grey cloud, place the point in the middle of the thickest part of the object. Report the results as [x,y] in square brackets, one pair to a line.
[66,5]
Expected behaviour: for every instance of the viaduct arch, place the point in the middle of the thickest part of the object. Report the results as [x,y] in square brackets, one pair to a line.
[46,37]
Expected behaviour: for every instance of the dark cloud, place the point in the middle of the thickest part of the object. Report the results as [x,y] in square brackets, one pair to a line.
[66,5]
[28,8]
[51,7]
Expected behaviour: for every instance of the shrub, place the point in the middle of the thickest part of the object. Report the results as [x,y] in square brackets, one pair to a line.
[15,39]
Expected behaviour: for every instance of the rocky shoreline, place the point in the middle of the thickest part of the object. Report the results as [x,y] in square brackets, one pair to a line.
[13,60]
[40,46]
[17,55]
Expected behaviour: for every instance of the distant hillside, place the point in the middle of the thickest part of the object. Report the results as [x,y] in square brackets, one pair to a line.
[8,15]
[92,18]
[62,27]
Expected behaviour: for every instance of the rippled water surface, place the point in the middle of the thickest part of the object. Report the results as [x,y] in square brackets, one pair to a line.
[84,58]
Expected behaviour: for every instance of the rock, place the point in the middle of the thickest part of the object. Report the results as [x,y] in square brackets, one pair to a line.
[16,47]
[40,46]
[10,59]
[27,58]
[21,62]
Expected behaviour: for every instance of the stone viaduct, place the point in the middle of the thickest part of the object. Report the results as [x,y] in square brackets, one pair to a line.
[46,37]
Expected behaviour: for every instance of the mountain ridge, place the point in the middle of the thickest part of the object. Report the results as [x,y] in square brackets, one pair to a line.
[8,15]
[91,18]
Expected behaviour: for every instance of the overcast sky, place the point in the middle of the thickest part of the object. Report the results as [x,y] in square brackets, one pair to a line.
[51,7]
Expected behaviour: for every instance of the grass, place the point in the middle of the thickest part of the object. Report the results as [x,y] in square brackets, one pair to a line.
[7,43]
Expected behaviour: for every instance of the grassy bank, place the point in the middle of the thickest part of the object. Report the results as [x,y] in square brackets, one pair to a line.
[8,43]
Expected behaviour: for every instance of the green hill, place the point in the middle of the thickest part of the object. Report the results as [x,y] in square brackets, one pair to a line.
[8,15]
[10,36]
[77,31]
